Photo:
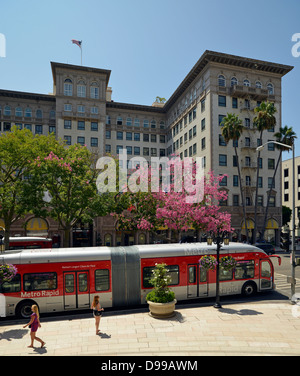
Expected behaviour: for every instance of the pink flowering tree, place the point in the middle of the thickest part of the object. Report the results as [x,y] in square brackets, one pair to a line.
[188,201]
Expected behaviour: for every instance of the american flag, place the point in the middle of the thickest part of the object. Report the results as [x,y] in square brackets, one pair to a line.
[78,42]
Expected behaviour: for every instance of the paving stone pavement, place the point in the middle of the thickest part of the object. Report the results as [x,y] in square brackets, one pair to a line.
[262,328]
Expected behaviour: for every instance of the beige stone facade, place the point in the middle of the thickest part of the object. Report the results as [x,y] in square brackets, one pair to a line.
[81,110]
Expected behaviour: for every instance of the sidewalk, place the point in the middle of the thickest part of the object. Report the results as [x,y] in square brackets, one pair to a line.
[255,328]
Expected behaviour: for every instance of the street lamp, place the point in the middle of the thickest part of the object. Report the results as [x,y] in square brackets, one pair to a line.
[2,245]
[293,254]
[218,238]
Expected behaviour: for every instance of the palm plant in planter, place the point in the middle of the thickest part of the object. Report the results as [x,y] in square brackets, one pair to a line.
[161,299]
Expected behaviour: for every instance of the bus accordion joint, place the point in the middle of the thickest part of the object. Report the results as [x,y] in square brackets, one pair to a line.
[278,257]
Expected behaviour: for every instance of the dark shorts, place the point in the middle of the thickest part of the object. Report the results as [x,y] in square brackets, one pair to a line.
[97,313]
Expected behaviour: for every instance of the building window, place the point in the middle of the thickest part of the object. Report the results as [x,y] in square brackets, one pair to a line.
[136,122]
[81,140]
[81,89]
[222,101]
[258,85]
[129,121]
[128,136]
[270,88]
[7,111]
[129,150]
[260,182]
[233,81]
[119,120]
[68,140]
[234,103]
[68,107]
[153,124]
[94,91]
[81,125]
[286,172]
[286,197]
[18,112]
[28,112]
[137,150]
[94,126]
[203,143]
[235,180]
[221,80]
[39,114]
[137,137]
[94,142]
[107,149]
[81,109]
[146,152]
[52,129]
[236,200]
[271,163]
[247,83]
[272,202]
[223,182]
[38,129]
[68,87]
[221,140]
[119,135]
[271,183]
[222,160]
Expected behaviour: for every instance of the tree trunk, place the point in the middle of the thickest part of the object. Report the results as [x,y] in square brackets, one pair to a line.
[242,194]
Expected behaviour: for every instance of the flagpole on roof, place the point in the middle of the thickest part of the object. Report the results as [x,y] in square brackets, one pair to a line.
[79,44]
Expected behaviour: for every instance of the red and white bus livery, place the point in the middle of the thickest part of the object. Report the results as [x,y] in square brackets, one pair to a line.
[67,278]
[29,242]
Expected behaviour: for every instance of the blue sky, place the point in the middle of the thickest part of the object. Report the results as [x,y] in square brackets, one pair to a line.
[149,46]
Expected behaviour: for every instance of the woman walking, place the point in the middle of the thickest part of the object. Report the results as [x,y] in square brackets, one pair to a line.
[97,312]
[34,324]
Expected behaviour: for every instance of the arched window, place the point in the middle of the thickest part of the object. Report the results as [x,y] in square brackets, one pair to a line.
[247,83]
[18,112]
[68,87]
[221,80]
[233,81]
[153,124]
[81,89]
[270,88]
[28,112]
[119,120]
[94,90]
[258,84]
[108,240]
[7,111]
[39,114]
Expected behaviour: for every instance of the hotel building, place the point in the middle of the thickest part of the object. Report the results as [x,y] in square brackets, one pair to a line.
[82,110]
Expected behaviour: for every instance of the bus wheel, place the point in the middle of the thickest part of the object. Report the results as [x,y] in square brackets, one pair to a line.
[249,289]
[23,309]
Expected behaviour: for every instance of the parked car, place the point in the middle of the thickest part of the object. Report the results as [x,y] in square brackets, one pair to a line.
[267,247]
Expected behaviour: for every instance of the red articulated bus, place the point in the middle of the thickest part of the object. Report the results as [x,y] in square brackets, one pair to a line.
[29,242]
[67,278]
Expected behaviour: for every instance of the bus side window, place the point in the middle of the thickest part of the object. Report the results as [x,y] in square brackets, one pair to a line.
[12,286]
[102,280]
[244,270]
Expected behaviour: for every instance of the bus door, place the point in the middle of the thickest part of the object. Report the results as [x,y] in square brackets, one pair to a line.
[266,275]
[197,281]
[76,290]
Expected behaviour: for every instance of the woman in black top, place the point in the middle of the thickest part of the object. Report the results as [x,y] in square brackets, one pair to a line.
[97,312]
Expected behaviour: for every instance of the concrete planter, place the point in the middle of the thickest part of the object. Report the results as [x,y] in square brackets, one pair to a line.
[162,310]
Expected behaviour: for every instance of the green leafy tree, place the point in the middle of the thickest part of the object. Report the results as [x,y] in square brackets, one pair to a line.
[265,119]
[18,148]
[67,182]
[232,129]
